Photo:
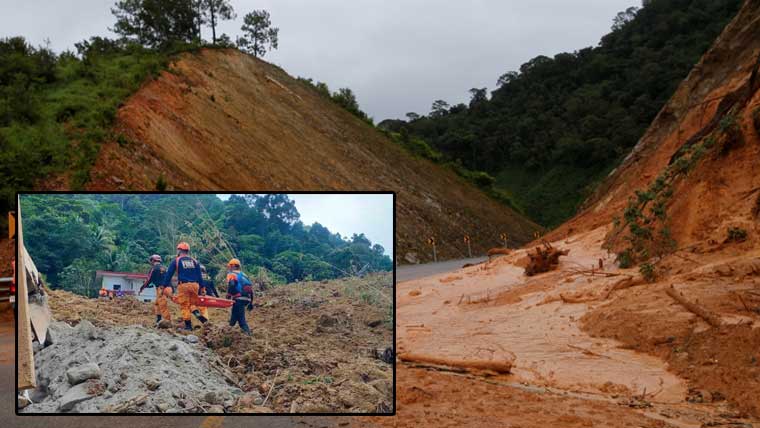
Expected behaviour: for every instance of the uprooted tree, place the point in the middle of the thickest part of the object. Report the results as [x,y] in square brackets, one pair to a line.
[544,259]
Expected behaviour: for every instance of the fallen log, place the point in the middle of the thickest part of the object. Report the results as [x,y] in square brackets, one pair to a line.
[711,318]
[491,365]
[498,252]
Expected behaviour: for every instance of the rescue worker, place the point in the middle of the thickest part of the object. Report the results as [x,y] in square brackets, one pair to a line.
[188,282]
[103,293]
[206,289]
[239,289]
[155,279]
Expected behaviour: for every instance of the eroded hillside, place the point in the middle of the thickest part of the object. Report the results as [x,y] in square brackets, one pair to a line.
[719,100]
[223,120]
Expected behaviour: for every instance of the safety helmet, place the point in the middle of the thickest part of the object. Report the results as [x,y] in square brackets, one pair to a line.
[184,246]
[154,258]
[234,262]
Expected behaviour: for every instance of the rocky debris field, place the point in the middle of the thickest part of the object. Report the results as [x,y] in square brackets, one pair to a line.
[314,347]
[317,346]
[126,369]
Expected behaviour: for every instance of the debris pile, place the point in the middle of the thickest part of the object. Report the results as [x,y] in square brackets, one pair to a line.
[126,369]
[313,349]
[544,259]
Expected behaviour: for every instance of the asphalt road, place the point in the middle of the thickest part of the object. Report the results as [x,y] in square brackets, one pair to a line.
[411,272]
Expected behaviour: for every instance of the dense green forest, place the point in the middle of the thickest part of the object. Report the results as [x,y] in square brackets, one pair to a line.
[71,236]
[553,129]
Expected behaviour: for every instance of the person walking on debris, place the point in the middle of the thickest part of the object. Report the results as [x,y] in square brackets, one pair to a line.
[188,282]
[207,289]
[239,289]
[155,279]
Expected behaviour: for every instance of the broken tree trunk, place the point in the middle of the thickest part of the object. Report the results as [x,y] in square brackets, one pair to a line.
[711,318]
[544,259]
[491,365]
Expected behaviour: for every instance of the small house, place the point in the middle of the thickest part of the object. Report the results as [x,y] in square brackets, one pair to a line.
[125,283]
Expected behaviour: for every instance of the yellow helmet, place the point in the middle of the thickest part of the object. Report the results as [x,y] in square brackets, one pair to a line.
[234,262]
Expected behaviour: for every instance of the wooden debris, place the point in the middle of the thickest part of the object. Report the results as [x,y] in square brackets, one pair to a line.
[544,259]
[711,318]
[498,251]
[127,406]
[504,366]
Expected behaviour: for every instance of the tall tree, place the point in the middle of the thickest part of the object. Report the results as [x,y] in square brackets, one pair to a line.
[156,23]
[213,11]
[259,36]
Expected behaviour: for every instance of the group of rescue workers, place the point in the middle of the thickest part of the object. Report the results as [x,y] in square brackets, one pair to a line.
[192,282]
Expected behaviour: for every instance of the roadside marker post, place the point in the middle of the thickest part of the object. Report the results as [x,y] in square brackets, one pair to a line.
[469,248]
[431,242]
[505,238]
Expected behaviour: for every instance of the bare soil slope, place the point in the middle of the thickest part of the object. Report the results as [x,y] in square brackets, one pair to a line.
[224,120]
[724,188]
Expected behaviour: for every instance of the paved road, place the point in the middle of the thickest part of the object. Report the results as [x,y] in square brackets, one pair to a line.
[9,419]
[410,272]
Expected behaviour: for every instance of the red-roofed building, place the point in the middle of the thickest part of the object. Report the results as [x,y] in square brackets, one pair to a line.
[125,283]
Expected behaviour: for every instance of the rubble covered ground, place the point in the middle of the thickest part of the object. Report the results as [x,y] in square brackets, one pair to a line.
[314,348]
[590,346]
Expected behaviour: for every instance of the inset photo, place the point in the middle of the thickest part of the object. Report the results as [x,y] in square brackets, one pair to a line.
[178,303]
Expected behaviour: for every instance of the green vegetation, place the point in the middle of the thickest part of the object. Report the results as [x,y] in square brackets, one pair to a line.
[644,225]
[343,97]
[71,236]
[736,234]
[259,36]
[56,110]
[563,123]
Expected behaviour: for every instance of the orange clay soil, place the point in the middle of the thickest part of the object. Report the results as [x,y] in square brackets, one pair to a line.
[580,364]
[223,120]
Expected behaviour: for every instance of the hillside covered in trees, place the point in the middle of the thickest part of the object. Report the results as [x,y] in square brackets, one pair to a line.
[556,127]
[71,236]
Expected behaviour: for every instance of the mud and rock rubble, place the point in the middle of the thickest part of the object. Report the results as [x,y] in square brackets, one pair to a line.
[313,349]
[315,343]
[581,337]
[92,369]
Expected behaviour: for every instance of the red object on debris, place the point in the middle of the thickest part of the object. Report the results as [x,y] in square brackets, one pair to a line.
[214,302]
[209,302]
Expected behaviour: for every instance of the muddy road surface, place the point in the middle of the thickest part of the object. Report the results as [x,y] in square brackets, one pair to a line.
[412,272]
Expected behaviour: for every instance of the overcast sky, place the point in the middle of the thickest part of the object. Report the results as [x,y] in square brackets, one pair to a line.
[370,214]
[398,55]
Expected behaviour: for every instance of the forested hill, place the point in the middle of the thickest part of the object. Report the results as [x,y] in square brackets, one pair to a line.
[553,129]
[71,236]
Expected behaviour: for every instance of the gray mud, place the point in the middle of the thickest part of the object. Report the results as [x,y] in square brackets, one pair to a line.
[138,370]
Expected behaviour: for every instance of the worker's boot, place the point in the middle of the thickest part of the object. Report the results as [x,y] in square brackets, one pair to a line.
[200,317]
[188,325]
[158,319]
[247,331]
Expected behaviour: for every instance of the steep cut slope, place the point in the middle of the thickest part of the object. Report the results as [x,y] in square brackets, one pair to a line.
[720,99]
[223,120]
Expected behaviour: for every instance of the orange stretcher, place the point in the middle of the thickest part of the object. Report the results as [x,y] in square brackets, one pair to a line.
[209,302]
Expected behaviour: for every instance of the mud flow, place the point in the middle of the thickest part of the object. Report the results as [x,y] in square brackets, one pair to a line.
[589,346]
